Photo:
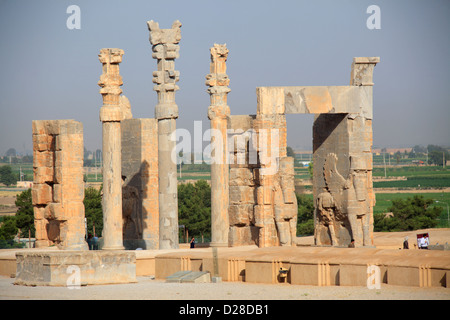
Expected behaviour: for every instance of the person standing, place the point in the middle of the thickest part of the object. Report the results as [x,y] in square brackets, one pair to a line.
[405,243]
[352,243]
[192,243]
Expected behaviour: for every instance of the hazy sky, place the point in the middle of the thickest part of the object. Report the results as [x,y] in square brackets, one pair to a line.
[48,71]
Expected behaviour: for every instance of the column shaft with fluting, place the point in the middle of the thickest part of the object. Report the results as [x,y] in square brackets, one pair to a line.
[218,113]
[111,116]
[166,49]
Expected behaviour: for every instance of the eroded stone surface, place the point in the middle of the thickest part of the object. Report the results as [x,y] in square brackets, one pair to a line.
[166,49]
[111,115]
[58,187]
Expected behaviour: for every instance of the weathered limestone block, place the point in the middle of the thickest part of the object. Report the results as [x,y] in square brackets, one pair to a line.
[362,71]
[242,195]
[241,214]
[75,268]
[58,188]
[242,235]
[140,185]
[241,177]
[317,100]
[41,194]
[270,100]
[125,106]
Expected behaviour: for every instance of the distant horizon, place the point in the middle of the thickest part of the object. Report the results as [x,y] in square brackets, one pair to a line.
[50,66]
[298,149]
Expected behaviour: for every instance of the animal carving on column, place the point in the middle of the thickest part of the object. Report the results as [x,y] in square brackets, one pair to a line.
[285,203]
[326,209]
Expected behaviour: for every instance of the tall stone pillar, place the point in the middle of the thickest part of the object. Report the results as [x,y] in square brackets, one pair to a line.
[58,188]
[218,113]
[360,152]
[342,156]
[111,116]
[166,49]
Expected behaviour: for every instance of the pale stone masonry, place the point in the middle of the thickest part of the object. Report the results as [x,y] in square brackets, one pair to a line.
[253,197]
[58,187]
[111,115]
[260,193]
[166,49]
[73,269]
[140,200]
[342,157]
[218,113]
[262,202]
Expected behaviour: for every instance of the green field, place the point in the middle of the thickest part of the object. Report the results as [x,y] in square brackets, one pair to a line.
[429,177]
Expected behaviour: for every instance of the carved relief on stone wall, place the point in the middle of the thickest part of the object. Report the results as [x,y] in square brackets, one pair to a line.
[132,220]
[344,199]
[285,202]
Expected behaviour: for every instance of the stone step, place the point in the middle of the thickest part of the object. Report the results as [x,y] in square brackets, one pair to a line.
[189,277]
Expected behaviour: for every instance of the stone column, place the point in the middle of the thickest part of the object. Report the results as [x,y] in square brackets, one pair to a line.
[218,113]
[111,116]
[166,49]
[360,152]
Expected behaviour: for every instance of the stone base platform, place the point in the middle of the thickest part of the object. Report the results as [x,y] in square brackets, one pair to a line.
[304,265]
[75,268]
[321,266]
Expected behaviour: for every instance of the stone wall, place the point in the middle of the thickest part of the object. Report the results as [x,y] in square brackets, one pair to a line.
[263,205]
[140,183]
[58,187]
[242,184]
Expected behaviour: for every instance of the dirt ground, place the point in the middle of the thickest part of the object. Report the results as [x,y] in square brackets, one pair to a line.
[147,288]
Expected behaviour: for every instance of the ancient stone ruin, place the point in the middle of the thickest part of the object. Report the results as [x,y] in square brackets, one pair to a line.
[252,179]
[260,191]
[166,49]
[58,187]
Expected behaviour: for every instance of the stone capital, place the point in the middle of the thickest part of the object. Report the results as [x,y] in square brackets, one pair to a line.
[218,90]
[110,55]
[166,51]
[362,71]
[110,82]
[164,36]
[219,51]
[217,79]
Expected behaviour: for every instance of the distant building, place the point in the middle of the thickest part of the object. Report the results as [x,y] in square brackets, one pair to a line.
[391,151]
[24,184]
